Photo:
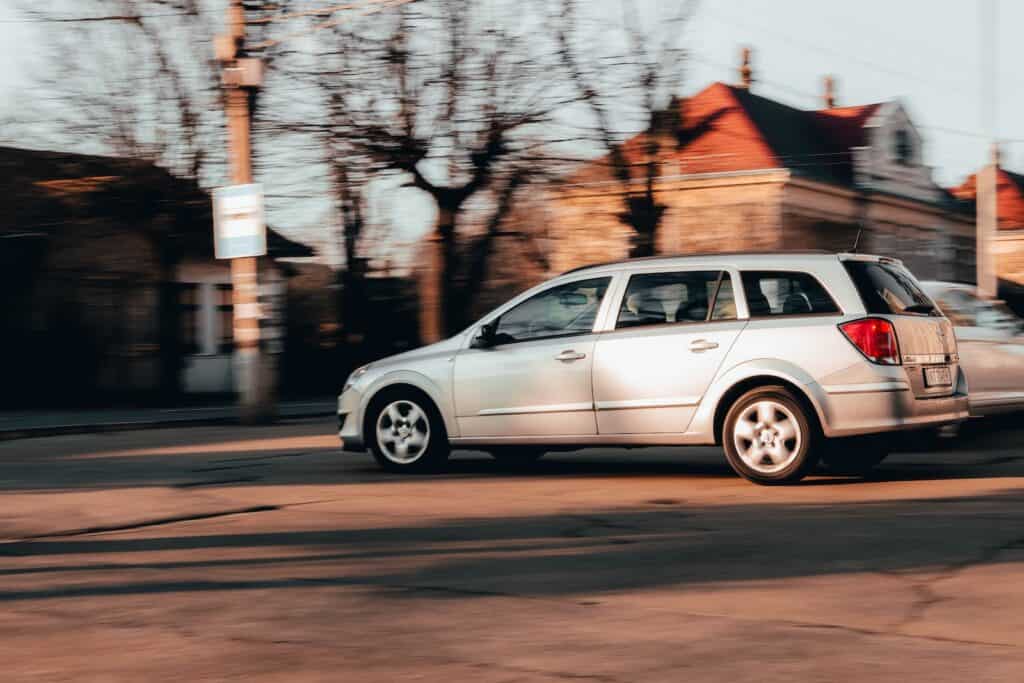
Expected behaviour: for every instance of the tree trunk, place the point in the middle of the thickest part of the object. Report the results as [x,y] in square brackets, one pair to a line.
[439,310]
[451,315]
[643,214]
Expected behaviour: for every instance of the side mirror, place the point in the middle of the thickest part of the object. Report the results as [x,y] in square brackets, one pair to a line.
[484,338]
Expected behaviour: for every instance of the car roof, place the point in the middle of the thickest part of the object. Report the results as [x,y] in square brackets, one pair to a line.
[741,259]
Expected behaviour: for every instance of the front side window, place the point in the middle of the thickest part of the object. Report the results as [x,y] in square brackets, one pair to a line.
[556,312]
[772,293]
[680,297]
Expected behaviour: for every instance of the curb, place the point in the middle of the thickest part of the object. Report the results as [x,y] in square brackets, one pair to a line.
[15,434]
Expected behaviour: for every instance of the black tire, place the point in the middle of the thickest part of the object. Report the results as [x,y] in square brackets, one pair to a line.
[855,456]
[800,452]
[517,455]
[428,458]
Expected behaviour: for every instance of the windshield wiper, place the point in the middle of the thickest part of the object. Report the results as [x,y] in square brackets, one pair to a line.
[927,309]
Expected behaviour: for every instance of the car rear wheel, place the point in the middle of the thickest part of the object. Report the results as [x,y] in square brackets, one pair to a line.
[768,437]
[407,433]
[854,456]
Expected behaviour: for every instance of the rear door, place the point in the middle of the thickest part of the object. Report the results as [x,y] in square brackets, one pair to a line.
[926,339]
[672,331]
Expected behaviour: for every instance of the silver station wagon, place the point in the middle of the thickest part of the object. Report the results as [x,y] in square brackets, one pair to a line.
[783,359]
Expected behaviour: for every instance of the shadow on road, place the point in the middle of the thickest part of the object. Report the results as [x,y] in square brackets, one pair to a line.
[666,542]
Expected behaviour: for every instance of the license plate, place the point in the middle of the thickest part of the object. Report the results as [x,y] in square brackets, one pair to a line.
[937,377]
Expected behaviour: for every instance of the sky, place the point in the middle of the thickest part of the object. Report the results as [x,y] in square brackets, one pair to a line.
[927,53]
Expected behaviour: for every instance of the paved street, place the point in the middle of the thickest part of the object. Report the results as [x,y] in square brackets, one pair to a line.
[264,554]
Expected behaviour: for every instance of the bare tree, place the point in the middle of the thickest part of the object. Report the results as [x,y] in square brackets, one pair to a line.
[446,93]
[642,78]
[134,78]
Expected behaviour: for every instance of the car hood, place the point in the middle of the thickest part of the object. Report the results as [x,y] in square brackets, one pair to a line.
[403,359]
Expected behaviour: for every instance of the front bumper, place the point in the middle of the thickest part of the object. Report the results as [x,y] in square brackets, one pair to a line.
[350,429]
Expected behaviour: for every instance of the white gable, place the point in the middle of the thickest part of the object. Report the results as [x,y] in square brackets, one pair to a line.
[893,160]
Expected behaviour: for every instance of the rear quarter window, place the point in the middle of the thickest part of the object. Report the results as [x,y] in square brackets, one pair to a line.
[889,289]
[774,293]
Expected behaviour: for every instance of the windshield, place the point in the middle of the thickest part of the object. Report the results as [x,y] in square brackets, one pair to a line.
[887,288]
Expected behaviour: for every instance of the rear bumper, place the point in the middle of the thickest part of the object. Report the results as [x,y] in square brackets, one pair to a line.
[894,409]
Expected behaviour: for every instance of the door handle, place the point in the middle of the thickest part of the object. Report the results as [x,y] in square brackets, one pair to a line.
[569,355]
[702,345]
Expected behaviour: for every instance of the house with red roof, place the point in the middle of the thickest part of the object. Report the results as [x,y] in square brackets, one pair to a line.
[741,171]
[1009,240]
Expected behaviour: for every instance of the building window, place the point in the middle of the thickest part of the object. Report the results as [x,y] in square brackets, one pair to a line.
[188,303]
[226,317]
[904,147]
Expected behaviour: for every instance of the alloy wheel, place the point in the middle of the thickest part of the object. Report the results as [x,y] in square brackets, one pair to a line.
[403,432]
[767,436]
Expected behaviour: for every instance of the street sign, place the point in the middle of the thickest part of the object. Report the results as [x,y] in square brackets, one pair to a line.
[238,226]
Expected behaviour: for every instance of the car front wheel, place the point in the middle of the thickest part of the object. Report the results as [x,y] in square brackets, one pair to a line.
[407,433]
[768,437]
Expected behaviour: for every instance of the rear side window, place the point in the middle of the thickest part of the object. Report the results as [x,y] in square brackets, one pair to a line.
[785,293]
[679,297]
[888,289]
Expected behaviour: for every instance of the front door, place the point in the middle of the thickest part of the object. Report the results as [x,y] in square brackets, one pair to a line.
[535,379]
[672,332]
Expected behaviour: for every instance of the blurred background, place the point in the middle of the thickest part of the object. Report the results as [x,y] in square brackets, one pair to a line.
[423,160]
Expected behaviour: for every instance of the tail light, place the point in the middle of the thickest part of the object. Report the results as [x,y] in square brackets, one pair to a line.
[875,338]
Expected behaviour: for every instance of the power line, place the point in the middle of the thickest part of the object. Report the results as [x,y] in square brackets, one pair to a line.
[823,49]
[319,12]
[969,134]
[989,21]
[370,7]
[84,20]
[812,96]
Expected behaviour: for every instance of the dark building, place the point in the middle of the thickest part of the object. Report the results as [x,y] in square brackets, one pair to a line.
[108,281]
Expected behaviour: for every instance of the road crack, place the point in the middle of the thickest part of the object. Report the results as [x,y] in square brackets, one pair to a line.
[925,589]
[157,521]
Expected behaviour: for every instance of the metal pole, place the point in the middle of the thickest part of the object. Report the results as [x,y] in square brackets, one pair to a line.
[253,374]
[987,227]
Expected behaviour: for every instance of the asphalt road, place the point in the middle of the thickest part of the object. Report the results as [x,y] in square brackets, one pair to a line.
[264,554]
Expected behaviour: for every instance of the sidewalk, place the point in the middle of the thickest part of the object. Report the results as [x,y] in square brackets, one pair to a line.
[26,424]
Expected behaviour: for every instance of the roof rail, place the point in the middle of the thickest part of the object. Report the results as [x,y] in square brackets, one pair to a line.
[666,257]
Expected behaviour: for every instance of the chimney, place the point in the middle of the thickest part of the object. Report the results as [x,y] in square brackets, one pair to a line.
[746,73]
[830,92]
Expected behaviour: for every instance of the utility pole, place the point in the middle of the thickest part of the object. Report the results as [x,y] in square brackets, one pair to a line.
[987,226]
[242,76]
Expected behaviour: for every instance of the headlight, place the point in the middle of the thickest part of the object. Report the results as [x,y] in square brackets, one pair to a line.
[354,377]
